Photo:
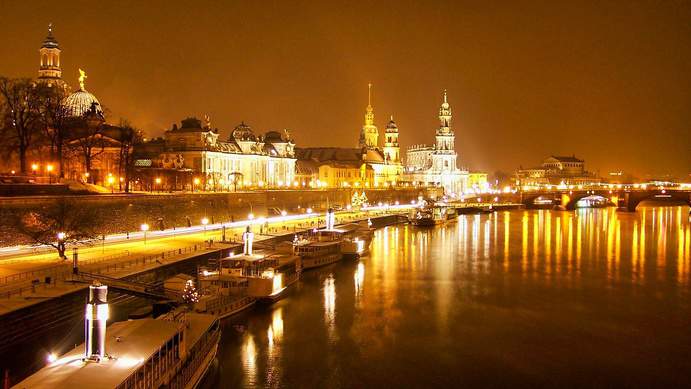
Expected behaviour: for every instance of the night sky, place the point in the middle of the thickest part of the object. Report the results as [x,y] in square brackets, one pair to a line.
[610,82]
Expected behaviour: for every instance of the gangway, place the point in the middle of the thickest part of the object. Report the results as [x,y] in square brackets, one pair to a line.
[143,289]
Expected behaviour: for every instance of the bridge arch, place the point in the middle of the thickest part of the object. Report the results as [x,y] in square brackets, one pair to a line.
[632,200]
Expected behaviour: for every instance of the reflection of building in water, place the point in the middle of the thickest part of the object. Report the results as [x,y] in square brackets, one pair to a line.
[330,305]
[359,277]
[556,170]
[249,359]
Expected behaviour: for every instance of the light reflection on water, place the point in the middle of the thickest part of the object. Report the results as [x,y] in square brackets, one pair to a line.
[587,297]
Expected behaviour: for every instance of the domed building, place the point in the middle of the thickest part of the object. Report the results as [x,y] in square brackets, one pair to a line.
[80,102]
[92,149]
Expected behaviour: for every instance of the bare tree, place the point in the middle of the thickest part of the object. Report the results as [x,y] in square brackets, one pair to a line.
[129,137]
[21,114]
[53,119]
[58,225]
[87,138]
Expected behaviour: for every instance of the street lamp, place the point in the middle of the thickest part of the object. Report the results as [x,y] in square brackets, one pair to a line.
[196,182]
[49,170]
[34,168]
[61,244]
[205,221]
[111,181]
[144,227]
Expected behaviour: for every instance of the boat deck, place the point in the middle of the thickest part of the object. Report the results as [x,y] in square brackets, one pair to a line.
[138,340]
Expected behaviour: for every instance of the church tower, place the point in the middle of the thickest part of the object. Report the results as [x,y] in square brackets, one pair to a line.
[445,135]
[392,151]
[369,135]
[445,152]
[49,70]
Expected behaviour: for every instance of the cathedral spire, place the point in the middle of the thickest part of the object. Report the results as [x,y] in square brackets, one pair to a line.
[369,134]
[445,113]
[369,94]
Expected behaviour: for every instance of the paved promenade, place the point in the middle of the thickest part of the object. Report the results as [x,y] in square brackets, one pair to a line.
[28,279]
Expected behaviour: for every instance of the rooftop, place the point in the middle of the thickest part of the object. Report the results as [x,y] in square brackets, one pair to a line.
[139,339]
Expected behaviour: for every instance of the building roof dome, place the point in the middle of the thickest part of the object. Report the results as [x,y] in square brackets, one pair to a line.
[80,102]
[243,132]
[391,125]
[50,42]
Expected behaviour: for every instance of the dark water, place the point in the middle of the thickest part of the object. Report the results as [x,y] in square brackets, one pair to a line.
[591,298]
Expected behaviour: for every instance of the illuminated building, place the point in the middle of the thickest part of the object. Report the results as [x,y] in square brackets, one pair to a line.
[49,71]
[368,165]
[436,164]
[91,145]
[556,170]
[243,160]
[477,181]
[333,167]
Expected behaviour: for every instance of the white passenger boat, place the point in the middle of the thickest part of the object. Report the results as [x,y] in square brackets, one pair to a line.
[260,276]
[356,239]
[173,351]
[318,247]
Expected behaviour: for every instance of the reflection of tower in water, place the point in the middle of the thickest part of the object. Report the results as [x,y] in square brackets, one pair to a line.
[330,306]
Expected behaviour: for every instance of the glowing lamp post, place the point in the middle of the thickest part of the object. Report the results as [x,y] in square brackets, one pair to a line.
[49,170]
[61,244]
[195,184]
[34,168]
[111,182]
[144,227]
[205,221]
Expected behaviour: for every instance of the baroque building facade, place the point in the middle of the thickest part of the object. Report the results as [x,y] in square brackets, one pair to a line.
[556,170]
[436,164]
[366,166]
[195,157]
[92,149]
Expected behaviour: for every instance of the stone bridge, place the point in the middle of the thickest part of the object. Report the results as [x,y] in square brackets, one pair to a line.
[626,199]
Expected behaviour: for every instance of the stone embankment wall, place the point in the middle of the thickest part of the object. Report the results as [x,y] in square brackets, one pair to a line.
[122,213]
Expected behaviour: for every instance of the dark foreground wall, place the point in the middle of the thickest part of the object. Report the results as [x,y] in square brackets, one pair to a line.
[122,213]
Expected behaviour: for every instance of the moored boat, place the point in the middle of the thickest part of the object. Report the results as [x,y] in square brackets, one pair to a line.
[356,240]
[242,279]
[172,351]
[430,216]
[318,247]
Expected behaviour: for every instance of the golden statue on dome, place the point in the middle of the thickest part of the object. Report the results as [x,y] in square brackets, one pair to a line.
[82,77]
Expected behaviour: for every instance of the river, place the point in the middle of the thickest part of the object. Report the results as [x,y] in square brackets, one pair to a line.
[593,298]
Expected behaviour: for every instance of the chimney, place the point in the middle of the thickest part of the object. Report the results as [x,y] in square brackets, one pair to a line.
[95,322]
[247,239]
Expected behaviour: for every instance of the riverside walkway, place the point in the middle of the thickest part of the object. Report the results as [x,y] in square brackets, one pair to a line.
[28,279]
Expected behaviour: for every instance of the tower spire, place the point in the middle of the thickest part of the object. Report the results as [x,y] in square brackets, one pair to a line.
[369,94]
[445,113]
[49,58]
[369,134]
